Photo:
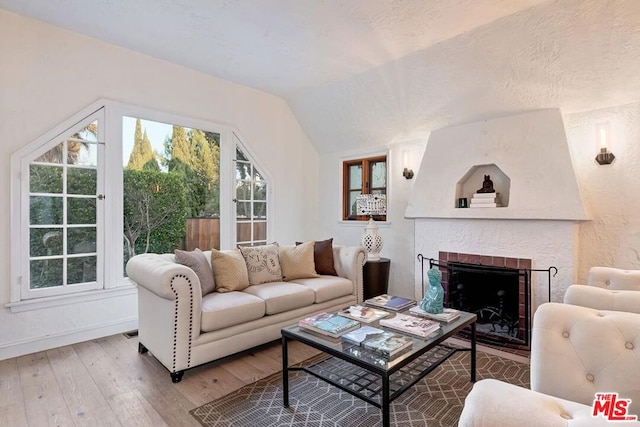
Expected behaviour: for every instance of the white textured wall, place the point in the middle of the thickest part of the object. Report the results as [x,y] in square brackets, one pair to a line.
[49,74]
[546,243]
[611,193]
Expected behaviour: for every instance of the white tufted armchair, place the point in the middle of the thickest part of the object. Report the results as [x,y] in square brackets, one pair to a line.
[576,352]
[607,288]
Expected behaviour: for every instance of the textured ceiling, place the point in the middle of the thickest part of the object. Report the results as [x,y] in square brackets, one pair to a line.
[369,72]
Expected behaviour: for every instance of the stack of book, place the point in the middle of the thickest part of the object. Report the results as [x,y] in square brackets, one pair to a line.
[411,325]
[485,200]
[388,344]
[328,324]
[448,315]
[390,302]
[363,314]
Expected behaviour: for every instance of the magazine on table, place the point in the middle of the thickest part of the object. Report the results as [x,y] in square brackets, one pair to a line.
[330,324]
[388,344]
[446,316]
[363,314]
[358,336]
[390,302]
[413,325]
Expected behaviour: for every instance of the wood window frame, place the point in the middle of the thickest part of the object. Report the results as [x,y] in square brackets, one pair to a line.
[367,164]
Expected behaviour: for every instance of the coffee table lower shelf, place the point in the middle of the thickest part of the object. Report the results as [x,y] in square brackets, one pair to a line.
[368,385]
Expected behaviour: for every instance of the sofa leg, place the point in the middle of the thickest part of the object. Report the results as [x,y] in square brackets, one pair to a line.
[176,377]
[141,348]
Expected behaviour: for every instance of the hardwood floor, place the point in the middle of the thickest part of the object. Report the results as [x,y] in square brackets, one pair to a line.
[105,382]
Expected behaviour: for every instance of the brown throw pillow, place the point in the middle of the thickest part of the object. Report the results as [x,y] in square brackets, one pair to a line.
[323,257]
[196,261]
[297,261]
[229,270]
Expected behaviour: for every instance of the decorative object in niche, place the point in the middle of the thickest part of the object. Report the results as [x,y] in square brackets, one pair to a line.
[487,185]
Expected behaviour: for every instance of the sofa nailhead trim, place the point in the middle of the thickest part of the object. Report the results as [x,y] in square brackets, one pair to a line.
[175,328]
[565,334]
[589,377]
[629,346]
[607,283]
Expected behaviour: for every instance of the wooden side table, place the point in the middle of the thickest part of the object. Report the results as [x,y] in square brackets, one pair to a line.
[375,276]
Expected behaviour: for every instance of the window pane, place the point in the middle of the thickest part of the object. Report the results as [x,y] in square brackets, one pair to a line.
[353,204]
[259,231]
[243,171]
[243,190]
[45,273]
[81,181]
[379,174]
[81,240]
[81,270]
[259,210]
[44,210]
[52,156]
[82,153]
[45,242]
[81,210]
[243,209]
[89,133]
[45,179]
[243,231]
[240,155]
[355,177]
[260,186]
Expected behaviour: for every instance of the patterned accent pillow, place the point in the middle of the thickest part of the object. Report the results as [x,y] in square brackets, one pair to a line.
[263,264]
[229,270]
[297,261]
[323,257]
[196,261]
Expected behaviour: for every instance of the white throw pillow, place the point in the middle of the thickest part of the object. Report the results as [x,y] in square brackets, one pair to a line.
[263,264]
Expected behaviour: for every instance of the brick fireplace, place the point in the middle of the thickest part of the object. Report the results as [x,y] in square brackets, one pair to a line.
[507,322]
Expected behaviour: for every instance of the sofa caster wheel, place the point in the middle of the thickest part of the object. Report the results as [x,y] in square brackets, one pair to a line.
[141,348]
[176,377]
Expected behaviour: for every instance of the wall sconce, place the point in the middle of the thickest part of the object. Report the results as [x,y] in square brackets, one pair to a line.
[407,173]
[603,136]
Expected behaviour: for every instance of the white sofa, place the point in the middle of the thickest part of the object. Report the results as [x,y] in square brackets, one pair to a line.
[576,352]
[607,288]
[183,329]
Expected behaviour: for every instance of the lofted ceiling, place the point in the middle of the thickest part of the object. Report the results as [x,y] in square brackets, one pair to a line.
[361,73]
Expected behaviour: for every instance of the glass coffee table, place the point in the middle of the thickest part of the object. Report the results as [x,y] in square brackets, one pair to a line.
[370,376]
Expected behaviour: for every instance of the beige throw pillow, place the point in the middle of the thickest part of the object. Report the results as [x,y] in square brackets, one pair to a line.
[196,261]
[263,265]
[297,261]
[229,270]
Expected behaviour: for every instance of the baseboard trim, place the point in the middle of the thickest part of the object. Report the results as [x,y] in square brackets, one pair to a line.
[47,342]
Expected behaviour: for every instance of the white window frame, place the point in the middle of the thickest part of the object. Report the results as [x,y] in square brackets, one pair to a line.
[114,283]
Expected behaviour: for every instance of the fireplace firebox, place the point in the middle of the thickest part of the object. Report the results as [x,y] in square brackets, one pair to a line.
[496,289]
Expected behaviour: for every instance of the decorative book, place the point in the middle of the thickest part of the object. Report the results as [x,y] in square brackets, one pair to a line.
[412,325]
[329,324]
[358,336]
[390,302]
[363,314]
[446,316]
[389,344]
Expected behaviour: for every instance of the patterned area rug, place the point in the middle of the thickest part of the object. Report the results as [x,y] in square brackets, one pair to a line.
[436,400]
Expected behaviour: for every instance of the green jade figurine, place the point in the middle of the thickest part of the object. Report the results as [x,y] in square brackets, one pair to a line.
[433,299]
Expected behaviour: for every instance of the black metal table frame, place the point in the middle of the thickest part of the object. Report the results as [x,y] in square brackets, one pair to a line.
[384,374]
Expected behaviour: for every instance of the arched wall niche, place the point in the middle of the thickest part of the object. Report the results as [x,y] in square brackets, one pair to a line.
[472,181]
